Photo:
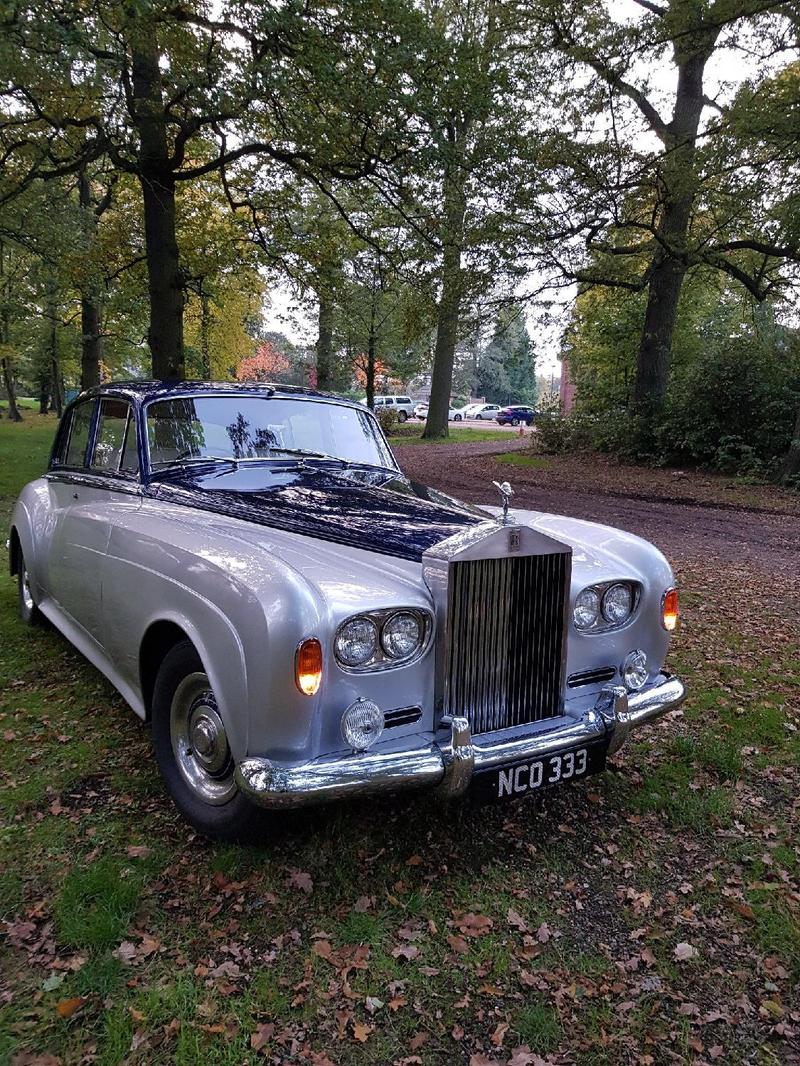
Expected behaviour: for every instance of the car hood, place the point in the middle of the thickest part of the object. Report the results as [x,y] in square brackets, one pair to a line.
[377,510]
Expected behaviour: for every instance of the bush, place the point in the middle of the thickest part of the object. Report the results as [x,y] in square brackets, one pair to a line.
[387,418]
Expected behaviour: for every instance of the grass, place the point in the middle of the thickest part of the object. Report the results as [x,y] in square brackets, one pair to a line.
[412,434]
[179,951]
[532,462]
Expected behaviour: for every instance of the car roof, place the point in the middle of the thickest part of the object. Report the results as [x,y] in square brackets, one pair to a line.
[147,391]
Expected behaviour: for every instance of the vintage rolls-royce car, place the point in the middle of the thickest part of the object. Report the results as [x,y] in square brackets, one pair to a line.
[299,622]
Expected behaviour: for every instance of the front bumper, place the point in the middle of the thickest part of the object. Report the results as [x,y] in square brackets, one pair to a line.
[448,765]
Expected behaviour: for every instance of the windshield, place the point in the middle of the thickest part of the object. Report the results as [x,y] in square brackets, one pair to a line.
[261,427]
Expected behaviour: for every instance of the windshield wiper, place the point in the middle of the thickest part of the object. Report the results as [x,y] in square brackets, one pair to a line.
[304,453]
[188,460]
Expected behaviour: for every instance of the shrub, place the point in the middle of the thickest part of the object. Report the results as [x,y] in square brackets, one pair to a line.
[387,418]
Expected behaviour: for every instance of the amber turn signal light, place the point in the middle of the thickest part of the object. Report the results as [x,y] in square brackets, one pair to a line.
[669,610]
[308,666]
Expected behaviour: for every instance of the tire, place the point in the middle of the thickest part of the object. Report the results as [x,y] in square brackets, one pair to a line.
[28,611]
[202,788]
[401,416]
[458,418]
[514,421]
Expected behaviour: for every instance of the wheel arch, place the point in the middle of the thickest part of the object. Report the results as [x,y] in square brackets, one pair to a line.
[159,639]
[14,550]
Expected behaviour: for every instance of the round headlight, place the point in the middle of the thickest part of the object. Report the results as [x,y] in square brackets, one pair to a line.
[401,635]
[634,670]
[617,604]
[356,642]
[362,724]
[587,609]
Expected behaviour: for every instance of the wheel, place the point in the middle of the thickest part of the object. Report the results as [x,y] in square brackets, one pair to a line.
[191,749]
[514,421]
[28,611]
[458,418]
[401,416]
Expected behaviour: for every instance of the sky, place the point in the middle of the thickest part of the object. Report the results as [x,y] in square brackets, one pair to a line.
[724,73]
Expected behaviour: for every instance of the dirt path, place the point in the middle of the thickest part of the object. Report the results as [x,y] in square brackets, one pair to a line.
[747,535]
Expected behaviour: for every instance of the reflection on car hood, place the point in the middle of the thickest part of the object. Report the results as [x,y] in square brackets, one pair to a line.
[378,510]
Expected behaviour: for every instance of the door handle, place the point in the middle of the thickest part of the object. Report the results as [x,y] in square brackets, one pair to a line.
[75,496]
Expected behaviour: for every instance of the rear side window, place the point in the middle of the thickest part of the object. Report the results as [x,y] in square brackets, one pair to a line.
[79,434]
[404,399]
[112,427]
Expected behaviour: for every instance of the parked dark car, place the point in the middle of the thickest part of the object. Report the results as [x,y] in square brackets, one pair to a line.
[515,415]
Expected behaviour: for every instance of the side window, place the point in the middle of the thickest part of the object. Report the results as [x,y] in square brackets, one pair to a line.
[79,434]
[389,400]
[110,436]
[378,401]
[130,450]
[404,399]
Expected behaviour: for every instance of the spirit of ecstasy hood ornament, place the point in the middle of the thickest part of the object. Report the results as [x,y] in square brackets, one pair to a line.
[506,492]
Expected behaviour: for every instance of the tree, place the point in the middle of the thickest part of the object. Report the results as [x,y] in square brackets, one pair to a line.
[268,364]
[648,215]
[171,95]
[506,371]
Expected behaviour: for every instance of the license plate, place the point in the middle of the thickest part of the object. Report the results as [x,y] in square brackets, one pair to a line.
[518,779]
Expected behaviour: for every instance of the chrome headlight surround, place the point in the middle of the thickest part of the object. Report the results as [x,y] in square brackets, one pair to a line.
[601,623]
[381,658]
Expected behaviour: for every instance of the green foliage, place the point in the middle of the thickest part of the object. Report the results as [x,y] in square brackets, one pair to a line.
[733,393]
[387,418]
[506,370]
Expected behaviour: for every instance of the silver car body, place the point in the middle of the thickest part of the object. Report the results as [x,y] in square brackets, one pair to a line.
[119,572]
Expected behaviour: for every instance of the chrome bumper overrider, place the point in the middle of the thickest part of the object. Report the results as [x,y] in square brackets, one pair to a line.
[449,765]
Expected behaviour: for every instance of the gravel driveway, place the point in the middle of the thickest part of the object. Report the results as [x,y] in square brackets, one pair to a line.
[749,536]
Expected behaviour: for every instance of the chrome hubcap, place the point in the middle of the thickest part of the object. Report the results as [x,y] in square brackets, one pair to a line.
[25,587]
[199,741]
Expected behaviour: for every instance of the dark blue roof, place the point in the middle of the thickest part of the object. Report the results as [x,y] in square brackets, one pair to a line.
[145,391]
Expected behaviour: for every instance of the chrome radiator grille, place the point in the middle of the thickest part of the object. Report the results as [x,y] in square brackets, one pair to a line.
[504,661]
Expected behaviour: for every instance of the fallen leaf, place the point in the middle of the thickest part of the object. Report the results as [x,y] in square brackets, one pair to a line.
[499,1034]
[684,951]
[516,919]
[419,1039]
[361,1032]
[543,933]
[67,1007]
[139,851]
[458,944]
[261,1036]
[302,880]
[405,951]
[475,924]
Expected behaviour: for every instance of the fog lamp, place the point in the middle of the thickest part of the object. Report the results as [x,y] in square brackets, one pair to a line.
[634,670]
[362,724]
[669,610]
[308,666]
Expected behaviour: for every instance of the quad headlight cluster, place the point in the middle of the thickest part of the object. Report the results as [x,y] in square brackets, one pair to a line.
[607,606]
[377,640]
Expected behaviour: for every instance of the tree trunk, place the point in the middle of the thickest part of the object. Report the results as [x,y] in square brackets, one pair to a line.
[91,329]
[5,342]
[449,305]
[8,383]
[791,464]
[56,389]
[664,290]
[205,336]
[325,338]
[371,344]
[44,393]
[679,188]
[166,287]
